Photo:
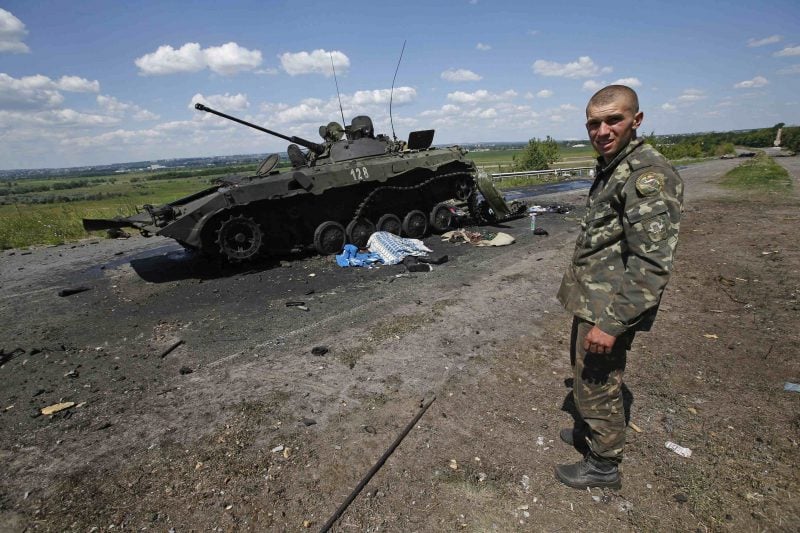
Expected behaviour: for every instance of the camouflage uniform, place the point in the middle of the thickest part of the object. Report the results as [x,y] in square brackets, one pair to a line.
[622,262]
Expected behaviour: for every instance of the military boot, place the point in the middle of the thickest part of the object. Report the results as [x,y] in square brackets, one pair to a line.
[590,472]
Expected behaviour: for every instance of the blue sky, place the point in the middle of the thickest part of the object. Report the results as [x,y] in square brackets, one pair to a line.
[93,82]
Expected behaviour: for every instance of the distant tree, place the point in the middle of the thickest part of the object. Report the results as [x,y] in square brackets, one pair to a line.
[537,155]
[791,138]
[724,148]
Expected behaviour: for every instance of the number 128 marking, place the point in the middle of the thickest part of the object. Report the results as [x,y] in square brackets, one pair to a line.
[359,173]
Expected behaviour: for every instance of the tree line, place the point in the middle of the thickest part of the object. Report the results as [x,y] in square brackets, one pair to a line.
[540,154]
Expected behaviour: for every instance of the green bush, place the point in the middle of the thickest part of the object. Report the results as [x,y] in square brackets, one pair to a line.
[537,155]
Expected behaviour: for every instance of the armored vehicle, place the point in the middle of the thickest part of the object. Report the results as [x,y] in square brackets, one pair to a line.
[336,192]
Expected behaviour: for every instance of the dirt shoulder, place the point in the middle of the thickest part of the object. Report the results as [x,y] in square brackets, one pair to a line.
[243,428]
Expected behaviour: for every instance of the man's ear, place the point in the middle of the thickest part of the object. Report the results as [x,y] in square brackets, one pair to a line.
[637,119]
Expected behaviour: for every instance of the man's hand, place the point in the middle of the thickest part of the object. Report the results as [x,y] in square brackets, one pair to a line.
[598,341]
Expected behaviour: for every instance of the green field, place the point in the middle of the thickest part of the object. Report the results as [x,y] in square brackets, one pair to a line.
[54,216]
[499,161]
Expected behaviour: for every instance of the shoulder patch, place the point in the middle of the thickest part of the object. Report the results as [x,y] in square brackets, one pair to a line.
[650,183]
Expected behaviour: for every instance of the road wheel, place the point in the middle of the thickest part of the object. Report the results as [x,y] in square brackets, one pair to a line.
[359,230]
[240,238]
[415,224]
[441,218]
[329,238]
[390,223]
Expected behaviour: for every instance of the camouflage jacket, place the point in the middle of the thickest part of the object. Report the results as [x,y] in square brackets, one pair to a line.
[623,255]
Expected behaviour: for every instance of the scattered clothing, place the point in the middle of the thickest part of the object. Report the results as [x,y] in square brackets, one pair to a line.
[351,257]
[434,260]
[501,239]
[552,208]
[391,249]
[472,237]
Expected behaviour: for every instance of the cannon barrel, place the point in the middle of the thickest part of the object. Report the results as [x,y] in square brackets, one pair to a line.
[314,147]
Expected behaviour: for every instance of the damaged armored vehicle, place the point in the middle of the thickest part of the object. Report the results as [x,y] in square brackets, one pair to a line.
[338,191]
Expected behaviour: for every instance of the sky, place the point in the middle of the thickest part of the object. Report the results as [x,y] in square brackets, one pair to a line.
[99,82]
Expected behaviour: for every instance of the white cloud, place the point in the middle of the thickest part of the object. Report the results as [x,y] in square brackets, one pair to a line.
[38,91]
[167,60]
[592,85]
[114,138]
[235,102]
[670,108]
[268,71]
[630,82]
[302,113]
[545,93]
[316,62]
[226,60]
[481,95]
[12,31]
[766,40]
[793,69]
[140,114]
[114,107]
[402,95]
[231,58]
[533,32]
[54,117]
[758,81]
[461,74]
[691,95]
[584,67]
[788,51]
[445,110]
[483,47]
[78,85]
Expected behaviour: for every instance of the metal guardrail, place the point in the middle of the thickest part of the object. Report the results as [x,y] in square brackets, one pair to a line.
[557,172]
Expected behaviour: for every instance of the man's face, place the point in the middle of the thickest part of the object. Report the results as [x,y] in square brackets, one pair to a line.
[611,127]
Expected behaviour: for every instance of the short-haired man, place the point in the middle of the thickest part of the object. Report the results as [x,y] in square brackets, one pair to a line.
[613,286]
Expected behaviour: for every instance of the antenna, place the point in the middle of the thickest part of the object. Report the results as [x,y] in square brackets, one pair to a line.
[337,90]
[391,94]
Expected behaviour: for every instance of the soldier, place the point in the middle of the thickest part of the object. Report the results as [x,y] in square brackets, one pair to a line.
[613,286]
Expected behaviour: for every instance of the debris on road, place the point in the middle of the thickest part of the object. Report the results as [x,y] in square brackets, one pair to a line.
[680,450]
[434,260]
[350,256]
[393,249]
[69,291]
[791,387]
[172,347]
[7,356]
[55,408]
[478,239]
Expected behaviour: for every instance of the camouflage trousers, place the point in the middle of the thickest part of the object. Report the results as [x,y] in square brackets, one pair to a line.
[597,391]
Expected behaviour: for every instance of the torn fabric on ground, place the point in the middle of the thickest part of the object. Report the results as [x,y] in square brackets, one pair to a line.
[392,249]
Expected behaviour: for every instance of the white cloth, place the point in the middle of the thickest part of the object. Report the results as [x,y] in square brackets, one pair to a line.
[392,249]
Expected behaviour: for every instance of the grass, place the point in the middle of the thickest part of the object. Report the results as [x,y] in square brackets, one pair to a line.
[25,224]
[497,161]
[760,174]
